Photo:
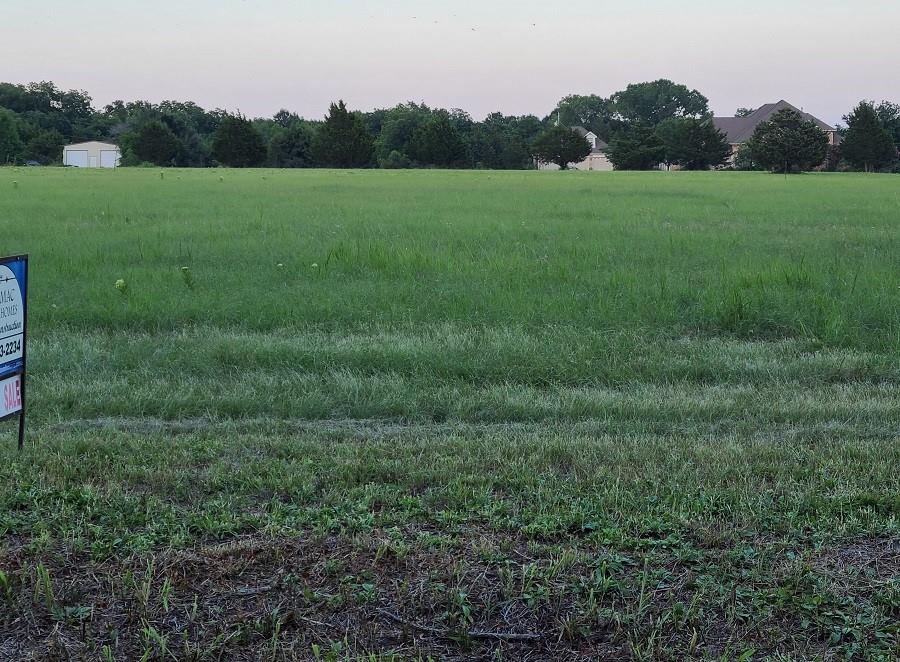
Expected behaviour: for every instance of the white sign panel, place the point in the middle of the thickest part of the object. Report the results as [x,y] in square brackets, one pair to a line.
[10,396]
[12,317]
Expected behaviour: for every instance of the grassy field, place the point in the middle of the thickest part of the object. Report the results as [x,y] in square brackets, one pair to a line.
[454,415]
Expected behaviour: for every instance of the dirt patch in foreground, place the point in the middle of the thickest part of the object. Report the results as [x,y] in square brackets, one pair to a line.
[420,592]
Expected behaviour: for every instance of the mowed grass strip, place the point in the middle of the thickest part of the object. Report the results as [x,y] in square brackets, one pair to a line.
[451,373]
[455,414]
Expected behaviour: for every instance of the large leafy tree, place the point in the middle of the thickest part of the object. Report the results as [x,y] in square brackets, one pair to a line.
[437,142]
[788,142]
[590,111]
[192,127]
[10,141]
[285,118]
[692,144]
[342,141]
[395,130]
[152,142]
[867,144]
[889,116]
[636,147]
[45,147]
[560,145]
[292,147]
[650,103]
[46,107]
[193,148]
[502,141]
[236,143]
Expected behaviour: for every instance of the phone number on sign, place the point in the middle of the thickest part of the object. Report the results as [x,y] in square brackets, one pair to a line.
[11,347]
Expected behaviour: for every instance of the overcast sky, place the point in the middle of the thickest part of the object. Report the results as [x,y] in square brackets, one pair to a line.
[515,56]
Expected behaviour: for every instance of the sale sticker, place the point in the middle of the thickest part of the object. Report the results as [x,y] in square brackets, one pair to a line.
[10,396]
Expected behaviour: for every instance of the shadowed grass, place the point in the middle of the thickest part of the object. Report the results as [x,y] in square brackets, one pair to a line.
[622,545]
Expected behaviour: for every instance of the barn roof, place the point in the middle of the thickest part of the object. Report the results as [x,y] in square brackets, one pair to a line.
[92,142]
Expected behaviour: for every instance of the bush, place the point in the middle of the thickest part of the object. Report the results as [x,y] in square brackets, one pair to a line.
[396,160]
[743,160]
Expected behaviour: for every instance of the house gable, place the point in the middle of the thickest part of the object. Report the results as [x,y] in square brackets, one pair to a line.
[597,145]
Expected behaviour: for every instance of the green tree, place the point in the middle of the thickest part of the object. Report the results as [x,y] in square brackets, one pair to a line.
[438,143]
[788,142]
[397,126]
[152,142]
[867,145]
[507,140]
[593,112]
[342,141]
[744,112]
[10,142]
[237,144]
[560,145]
[743,160]
[636,147]
[71,111]
[692,144]
[502,142]
[45,147]
[487,143]
[654,102]
[291,148]
[888,115]
[192,127]
[286,119]
[193,148]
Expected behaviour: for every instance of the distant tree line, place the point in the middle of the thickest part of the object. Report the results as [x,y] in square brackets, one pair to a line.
[645,125]
[37,119]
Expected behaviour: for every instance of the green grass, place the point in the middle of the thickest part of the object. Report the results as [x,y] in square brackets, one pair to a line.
[407,414]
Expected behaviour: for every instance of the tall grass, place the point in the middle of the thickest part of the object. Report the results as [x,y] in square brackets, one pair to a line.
[739,254]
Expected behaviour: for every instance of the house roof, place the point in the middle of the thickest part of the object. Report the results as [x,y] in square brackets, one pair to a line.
[584,133]
[740,129]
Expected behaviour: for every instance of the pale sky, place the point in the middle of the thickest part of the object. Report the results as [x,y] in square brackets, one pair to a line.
[515,56]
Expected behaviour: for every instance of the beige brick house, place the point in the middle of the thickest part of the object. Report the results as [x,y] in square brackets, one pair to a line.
[596,160]
[738,130]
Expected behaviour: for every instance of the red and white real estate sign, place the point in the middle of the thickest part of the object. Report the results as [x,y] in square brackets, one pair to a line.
[10,396]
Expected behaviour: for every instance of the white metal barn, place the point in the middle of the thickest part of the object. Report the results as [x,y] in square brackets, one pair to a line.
[92,154]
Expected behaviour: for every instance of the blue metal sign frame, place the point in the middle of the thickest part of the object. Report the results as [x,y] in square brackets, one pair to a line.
[14,329]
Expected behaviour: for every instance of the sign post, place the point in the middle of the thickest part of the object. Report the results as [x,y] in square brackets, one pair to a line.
[13,325]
